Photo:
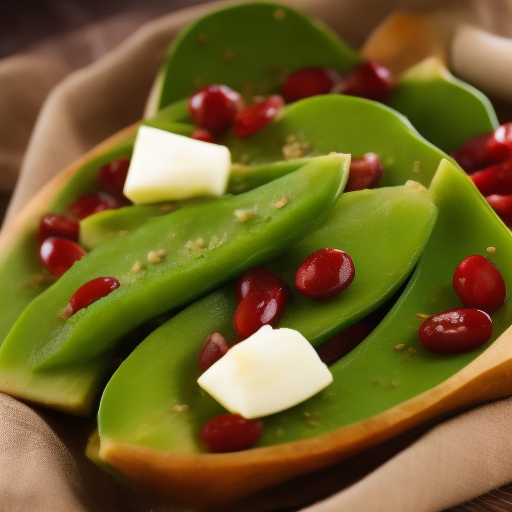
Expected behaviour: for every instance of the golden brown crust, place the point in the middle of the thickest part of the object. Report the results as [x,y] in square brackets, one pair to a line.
[420,34]
[214,480]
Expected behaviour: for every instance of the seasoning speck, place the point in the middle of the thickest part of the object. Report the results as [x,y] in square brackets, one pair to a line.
[491,250]
[394,383]
[156,256]
[201,39]
[178,408]
[123,232]
[279,14]
[295,149]
[400,346]
[193,245]
[228,56]
[279,432]
[281,203]
[411,350]
[66,313]
[137,267]
[243,215]
[421,315]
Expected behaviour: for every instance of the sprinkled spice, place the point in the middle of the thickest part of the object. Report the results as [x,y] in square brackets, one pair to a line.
[228,56]
[156,256]
[281,203]
[179,408]
[193,245]
[411,350]
[66,313]
[491,250]
[137,267]
[295,149]
[279,14]
[400,346]
[394,383]
[123,232]
[421,315]
[243,215]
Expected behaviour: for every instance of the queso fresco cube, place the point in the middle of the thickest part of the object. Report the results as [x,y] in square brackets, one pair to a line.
[272,370]
[167,167]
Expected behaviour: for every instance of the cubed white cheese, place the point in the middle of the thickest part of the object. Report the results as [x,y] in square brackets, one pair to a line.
[166,167]
[272,370]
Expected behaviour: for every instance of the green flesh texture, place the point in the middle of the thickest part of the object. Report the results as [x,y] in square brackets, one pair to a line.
[163,370]
[220,49]
[137,404]
[445,110]
[41,350]
[103,226]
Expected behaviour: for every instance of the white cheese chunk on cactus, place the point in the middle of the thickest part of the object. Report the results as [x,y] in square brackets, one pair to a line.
[272,370]
[167,167]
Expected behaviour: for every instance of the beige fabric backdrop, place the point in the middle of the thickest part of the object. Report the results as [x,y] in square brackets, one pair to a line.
[42,466]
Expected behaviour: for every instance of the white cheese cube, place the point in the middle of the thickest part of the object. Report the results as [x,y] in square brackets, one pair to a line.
[166,167]
[272,370]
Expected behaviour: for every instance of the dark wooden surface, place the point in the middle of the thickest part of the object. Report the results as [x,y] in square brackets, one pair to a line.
[25,23]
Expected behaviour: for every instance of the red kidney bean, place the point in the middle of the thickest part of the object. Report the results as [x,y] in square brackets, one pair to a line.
[324,274]
[456,331]
[60,226]
[502,205]
[112,176]
[479,284]
[59,254]
[260,277]
[91,292]
[483,150]
[255,117]
[202,135]
[213,349]
[231,433]
[368,80]
[92,203]
[365,172]
[341,344]
[496,179]
[214,107]
[308,82]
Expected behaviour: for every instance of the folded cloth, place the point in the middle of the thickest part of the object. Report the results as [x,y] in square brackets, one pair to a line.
[42,462]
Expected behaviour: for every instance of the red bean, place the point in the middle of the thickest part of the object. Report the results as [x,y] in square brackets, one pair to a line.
[365,172]
[213,349]
[324,274]
[308,82]
[202,135]
[502,205]
[479,284]
[92,203]
[260,307]
[483,150]
[91,292]
[496,179]
[231,433]
[214,107]
[260,277]
[59,254]
[253,118]
[368,80]
[456,331]
[60,226]
[112,176]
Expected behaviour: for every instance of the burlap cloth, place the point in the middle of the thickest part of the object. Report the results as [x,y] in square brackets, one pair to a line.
[42,462]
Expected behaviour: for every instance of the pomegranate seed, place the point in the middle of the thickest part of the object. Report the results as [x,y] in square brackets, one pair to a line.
[479,284]
[92,203]
[260,307]
[214,108]
[368,80]
[59,254]
[309,82]
[113,175]
[456,331]
[91,292]
[496,179]
[231,433]
[53,224]
[341,344]
[483,150]
[258,278]
[502,205]
[324,274]
[365,172]
[203,135]
[254,118]
[212,350]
